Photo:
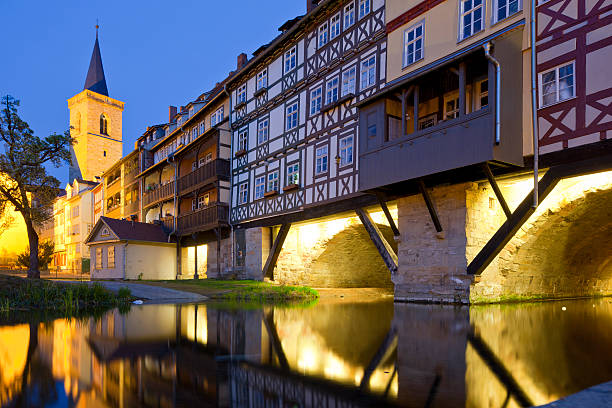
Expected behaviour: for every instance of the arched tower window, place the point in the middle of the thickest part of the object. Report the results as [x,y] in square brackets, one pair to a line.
[103,125]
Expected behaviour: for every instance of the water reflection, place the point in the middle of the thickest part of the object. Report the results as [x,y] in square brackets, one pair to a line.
[358,354]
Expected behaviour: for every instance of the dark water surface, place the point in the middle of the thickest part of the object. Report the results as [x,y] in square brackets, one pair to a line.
[328,355]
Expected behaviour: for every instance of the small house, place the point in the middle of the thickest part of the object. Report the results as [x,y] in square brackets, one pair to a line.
[122,249]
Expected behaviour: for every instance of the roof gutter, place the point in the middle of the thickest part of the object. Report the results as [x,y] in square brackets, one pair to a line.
[174,221]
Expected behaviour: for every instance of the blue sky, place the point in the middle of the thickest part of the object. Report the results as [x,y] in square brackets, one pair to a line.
[155,53]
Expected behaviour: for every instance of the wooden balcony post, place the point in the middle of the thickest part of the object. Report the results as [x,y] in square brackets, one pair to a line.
[416,107]
[462,89]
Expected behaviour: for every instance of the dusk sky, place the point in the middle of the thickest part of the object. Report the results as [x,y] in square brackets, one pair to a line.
[155,53]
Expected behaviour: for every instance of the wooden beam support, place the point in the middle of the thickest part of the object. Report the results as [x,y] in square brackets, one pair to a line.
[268,270]
[403,113]
[496,190]
[390,220]
[415,101]
[430,205]
[382,351]
[462,93]
[384,249]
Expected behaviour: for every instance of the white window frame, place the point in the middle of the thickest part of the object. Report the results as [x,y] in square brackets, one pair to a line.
[292,117]
[368,66]
[293,174]
[481,94]
[557,90]
[243,192]
[346,149]
[331,90]
[260,186]
[194,204]
[322,160]
[216,117]
[496,9]
[290,59]
[203,200]
[323,34]
[349,79]
[431,118]
[334,26]
[263,131]
[349,15]
[450,114]
[316,100]
[241,95]
[262,79]
[365,6]
[243,140]
[471,11]
[273,181]
[417,42]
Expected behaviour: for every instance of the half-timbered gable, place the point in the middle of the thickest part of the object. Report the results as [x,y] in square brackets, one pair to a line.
[294,122]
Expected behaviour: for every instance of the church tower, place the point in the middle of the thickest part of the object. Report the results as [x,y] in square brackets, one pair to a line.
[95,120]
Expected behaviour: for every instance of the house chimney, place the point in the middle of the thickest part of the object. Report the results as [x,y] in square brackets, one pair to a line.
[171,113]
[241,61]
[310,5]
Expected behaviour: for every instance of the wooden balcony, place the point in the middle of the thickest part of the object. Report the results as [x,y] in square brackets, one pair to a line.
[162,192]
[131,208]
[204,219]
[168,223]
[218,169]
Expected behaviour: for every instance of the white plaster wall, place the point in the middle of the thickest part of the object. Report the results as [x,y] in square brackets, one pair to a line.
[153,261]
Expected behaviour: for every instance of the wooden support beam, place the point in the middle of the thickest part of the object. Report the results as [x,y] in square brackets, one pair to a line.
[462,80]
[390,219]
[378,357]
[496,190]
[275,339]
[498,368]
[430,206]
[268,270]
[384,249]
[415,101]
[403,113]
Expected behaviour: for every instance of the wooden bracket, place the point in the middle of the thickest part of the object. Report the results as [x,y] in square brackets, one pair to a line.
[384,249]
[268,270]
[430,205]
[390,220]
[386,345]
[496,190]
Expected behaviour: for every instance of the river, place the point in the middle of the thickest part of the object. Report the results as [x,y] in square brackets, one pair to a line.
[333,354]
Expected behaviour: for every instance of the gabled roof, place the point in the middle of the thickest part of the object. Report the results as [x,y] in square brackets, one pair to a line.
[130,231]
[95,75]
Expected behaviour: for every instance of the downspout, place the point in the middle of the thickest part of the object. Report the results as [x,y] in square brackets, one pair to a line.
[174,222]
[534,107]
[229,220]
[487,51]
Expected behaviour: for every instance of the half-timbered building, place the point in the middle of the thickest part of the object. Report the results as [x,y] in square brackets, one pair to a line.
[295,124]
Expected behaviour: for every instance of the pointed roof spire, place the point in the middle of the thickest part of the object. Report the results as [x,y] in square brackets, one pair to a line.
[95,76]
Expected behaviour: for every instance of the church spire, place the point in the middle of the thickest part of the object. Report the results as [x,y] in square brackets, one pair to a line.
[95,76]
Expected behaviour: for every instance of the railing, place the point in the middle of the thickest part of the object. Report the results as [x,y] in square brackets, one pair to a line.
[215,168]
[204,218]
[161,192]
[168,223]
[131,208]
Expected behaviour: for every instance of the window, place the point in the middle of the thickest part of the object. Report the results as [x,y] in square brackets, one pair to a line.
[242,95]
[216,117]
[110,259]
[349,15]
[98,258]
[262,131]
[332,91]
[482,95]
[273,181]
[315,101]
[202,127]
[291,116]
[104,233]
[260,187]
[505,8]
[203,200]
[471,18]
[322,160]
[348,81]
[206,159]
[334,29]
[323,34]
[243,193]
[262,79]
[293,174]
[364,8]
[346,151]
[290,57]
[428,121]
[557,84]
[75,212]
[243,140]
[413,44]
[103,125]
[451,106]
[368,72]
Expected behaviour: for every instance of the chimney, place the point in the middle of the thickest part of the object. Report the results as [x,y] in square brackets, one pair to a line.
[241,61]
[182,108]
[171,113]
[310,5]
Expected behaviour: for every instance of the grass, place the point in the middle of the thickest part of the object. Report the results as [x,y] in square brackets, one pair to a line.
[244,292]
[19,294]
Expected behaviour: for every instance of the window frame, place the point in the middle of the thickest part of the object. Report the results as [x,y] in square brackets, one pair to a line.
[110,260]
[367,5]
[413,28]
[243,139]
[344,150]
[218,117]
[263,130]
[243,193]
[332,92]
[241,95]
[293,174]
[557,89]
[463,13]
[368,69]
[99,260]
[314,106]
[261,81]
[454,98]
[495,10]
[273,181]
[323,34]
[349,15]
[260,187]
[292,119]
[346,84]
[321,166]
[333,33]
[290,59]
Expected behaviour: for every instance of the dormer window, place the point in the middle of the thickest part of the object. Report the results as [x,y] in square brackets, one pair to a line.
[103,125]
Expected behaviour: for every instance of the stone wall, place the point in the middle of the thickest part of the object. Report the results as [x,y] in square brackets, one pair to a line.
[257,249]
[225,261]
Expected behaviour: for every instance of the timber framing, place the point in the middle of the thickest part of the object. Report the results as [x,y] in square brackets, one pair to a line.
[268,270]
[430,205]
[496,190]
[384,249]
[390,220]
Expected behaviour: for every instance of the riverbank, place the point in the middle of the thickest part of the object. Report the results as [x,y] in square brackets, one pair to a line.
[22,294]
[241,291]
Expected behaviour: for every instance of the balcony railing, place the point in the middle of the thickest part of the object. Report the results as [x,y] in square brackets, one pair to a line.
[210,171]
[168,223]
[204,218]
[160,193]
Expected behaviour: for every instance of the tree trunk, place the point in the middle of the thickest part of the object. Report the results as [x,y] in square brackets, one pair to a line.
[33,272]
